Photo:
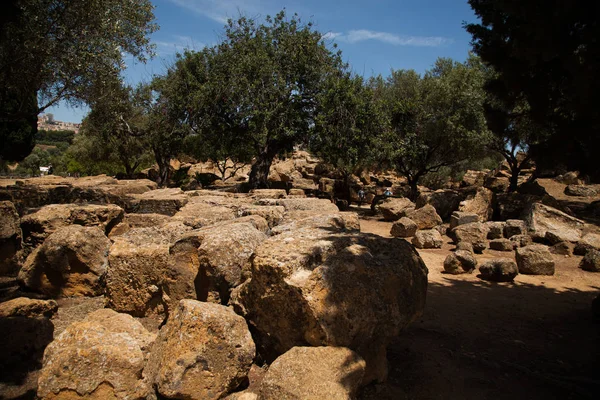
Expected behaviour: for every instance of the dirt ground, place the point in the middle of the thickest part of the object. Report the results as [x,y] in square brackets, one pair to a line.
[531,339]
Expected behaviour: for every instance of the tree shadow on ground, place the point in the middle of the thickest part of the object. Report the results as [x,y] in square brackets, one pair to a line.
[480,340]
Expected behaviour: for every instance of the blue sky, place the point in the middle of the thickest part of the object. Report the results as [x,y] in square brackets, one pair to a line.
[375,36]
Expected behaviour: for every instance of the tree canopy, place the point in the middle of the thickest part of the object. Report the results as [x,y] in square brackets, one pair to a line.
[53,50]
[432,121]
[547,56]
[258,87]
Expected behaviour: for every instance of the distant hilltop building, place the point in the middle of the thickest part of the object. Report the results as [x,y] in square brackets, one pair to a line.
[48,123]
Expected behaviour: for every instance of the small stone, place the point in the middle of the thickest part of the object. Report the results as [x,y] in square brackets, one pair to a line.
[521,240]
[535,259]
[495,229]
[404,227]
[502,245]
[514,227]
[460,262]
[499,270]
[460,218]
[562,248]
[591,261]
[429,239]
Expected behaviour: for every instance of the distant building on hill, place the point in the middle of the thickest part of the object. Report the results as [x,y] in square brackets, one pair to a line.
[48,123]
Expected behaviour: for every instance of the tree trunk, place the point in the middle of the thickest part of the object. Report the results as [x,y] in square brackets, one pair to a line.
[163,168]
[515,170]
[259,173]
[414,189]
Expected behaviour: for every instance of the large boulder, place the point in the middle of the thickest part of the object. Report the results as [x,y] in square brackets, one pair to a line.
[521,240]
[268,193]
[38,225]
[393,208]
[404,227]
[425,217]
[445,201]
[459,262]
[499,270]
[101,357]
[541,218]
[208,263]
[591,261]
[480,204]
[314,373]
[535,259]
[203,352]
[10,238]
[160,201]
[72,261]
[474,178]
[139,261]
[26,330]
[428,239]
[474,233]
[320,287]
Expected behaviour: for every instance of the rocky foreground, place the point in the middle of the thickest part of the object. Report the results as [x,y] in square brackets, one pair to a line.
[191,291]
[232,281]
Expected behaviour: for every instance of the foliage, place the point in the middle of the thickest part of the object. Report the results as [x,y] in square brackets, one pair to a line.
[256,89]
[346,122]
[546,57]
[53,50]
[53,137]
[17,135]
[119,124]
[433,121]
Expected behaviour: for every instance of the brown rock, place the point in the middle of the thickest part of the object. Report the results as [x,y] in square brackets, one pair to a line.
[273,214]
[428,239]
[198,215]
[268,193]
[521,240]
[25,307]
[591,261]
[459,262]
[535,260]
[460,218]
[133,220]
[480,204]
[587,242]
[208,263]
[139,261]
[339,221]
[72,261]
[404,227]
[160,201]
[514,227]
[474,233]
[499,270]
[101,357]
[445,201]
[502,245]
[541,218]
[580,191]
[321,289]
[203,352]
[495,229]
[425,217]
[562,248]
[314,373]
[38,225]
[10,238]
[393,209]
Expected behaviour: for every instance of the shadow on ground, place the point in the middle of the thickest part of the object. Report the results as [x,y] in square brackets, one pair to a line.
[479,340]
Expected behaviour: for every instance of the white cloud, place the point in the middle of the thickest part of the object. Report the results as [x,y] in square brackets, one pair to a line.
[361,35]
[177,45]
[221,10]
